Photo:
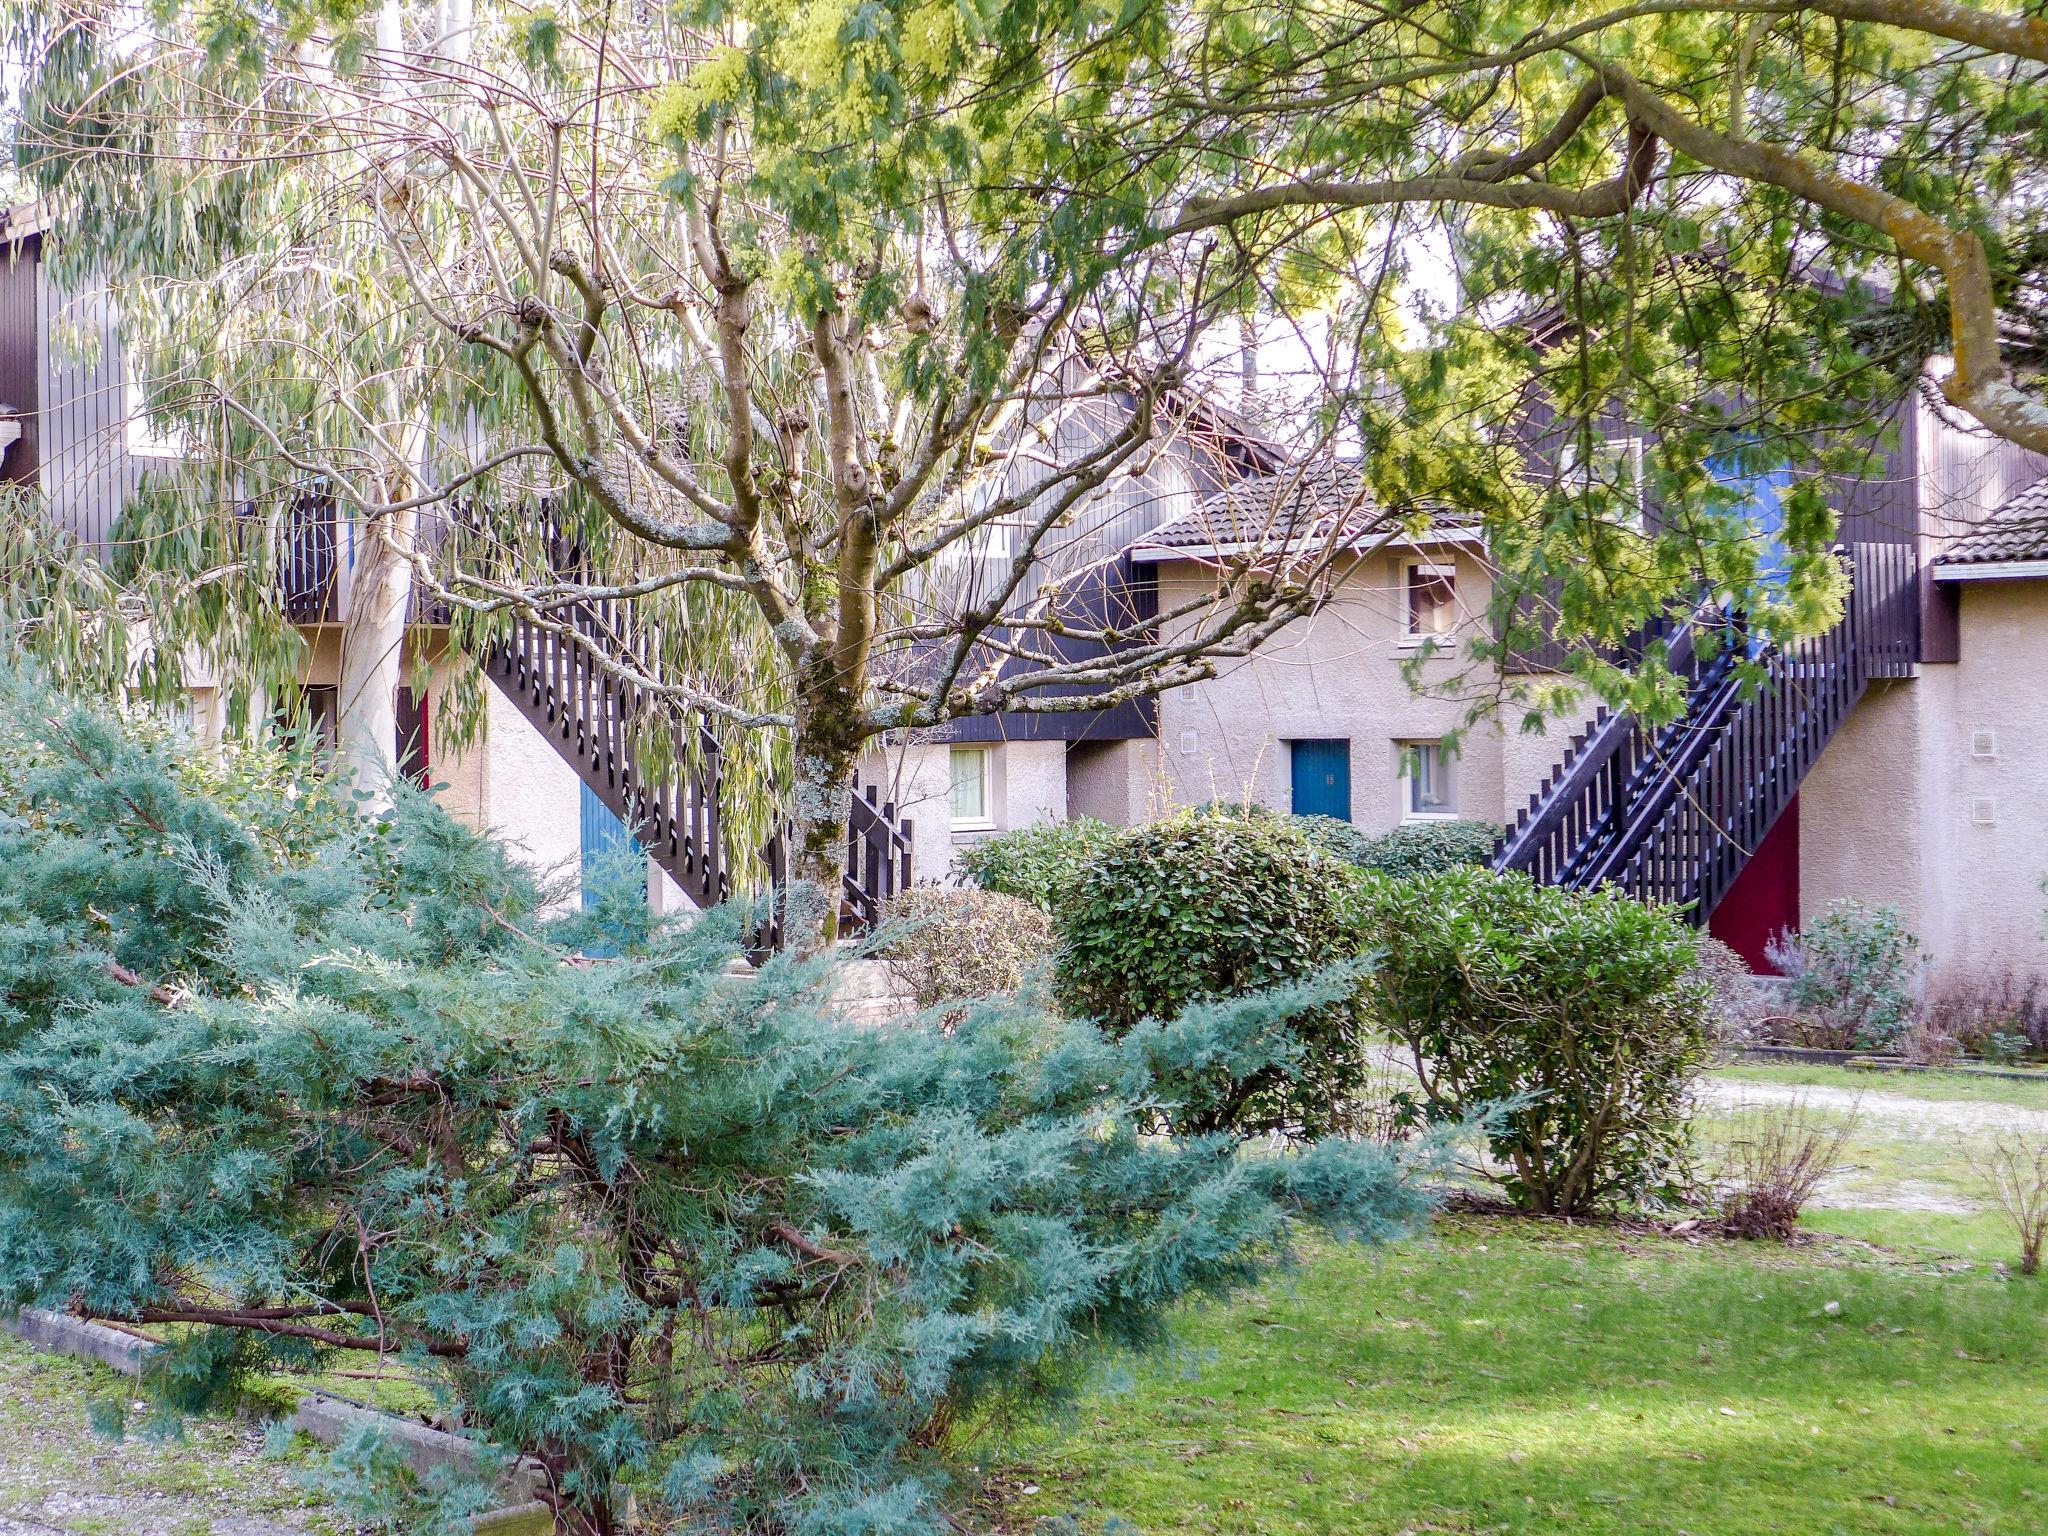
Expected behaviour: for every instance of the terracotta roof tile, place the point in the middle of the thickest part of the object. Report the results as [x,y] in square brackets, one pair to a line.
[1301,504]
[2016,530]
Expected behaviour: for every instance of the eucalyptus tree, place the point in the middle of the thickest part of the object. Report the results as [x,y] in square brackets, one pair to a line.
[740,322]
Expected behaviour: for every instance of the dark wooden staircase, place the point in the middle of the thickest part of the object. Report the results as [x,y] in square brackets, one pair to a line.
[1671,813]
[594,720]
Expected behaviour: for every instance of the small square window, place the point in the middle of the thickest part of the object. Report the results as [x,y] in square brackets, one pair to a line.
[1430,602]
[1426,769]
[1615,465]
[969,802]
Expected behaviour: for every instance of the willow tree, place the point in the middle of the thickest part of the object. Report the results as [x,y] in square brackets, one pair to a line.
[1739,233]
[737,322]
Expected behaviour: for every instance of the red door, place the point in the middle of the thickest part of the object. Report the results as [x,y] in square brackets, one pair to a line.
[1764,900]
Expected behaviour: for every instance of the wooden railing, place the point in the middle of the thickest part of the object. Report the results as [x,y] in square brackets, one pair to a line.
[595,719]
[1672,813]
[314,559]
[309,559]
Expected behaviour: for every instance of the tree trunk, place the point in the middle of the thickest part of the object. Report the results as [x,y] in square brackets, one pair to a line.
[827,746]
[372,654]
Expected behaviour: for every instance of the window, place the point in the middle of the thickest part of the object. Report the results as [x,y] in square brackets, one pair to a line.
[1615,466]
[1426,770]
[969,803]
[318,716]
[1431,600]
[145,441]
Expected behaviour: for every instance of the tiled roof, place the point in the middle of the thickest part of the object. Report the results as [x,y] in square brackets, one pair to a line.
[1297,505]
[2017,530]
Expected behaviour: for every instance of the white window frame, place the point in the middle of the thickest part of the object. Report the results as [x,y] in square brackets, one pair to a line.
[985,756]
[1610,452]
[1407,754]
[1412,637]
[143,441]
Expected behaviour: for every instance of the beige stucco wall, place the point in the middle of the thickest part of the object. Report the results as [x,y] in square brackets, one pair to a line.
[1895,810]
[1860,829]
[1341,673]
[1027,785]
[1118,782]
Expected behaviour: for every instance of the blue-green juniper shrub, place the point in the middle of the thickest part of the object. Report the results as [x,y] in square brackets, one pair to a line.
[670,1227]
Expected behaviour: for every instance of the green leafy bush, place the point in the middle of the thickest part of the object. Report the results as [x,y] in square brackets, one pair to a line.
[1327,834]
[1425,847]
[1581,1014]
[943,945]
[1736,1001]
[1041,864]
[1852,976]
[1338,839]
[677,1231]
[1213,905]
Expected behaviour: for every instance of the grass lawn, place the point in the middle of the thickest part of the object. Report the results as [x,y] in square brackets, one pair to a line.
[1507,1376]
[56,1474]
[1511,1377]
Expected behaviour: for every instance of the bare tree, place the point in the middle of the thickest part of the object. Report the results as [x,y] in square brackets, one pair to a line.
[507,286]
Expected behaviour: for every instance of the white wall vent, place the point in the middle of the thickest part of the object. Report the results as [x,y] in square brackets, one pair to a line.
[1983,742]
[1190,743]
[1984,811]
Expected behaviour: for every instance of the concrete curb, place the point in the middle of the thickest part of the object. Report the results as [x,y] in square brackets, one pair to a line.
[328,1419]
[56,1334]
[325,1418]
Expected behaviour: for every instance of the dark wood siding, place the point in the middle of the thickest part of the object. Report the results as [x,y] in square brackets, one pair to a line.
[21,322]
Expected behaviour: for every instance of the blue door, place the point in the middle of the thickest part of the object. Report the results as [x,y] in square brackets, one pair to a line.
[603,835]
[1322,778]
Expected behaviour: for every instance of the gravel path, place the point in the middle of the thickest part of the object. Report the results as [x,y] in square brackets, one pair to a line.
[56,1475]
[1883,1109]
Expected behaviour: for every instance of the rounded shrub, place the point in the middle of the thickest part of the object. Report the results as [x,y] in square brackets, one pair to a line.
[1579,1020]
[1207,906]
[1853,977]
[1427,847]
[947,945]
[1327,834]
[1040,864]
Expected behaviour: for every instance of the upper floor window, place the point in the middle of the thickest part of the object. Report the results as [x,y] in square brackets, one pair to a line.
[1429,600]
[1614,465]
[145,439]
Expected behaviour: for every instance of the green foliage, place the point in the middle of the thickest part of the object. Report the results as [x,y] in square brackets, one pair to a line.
[945,945]
[677,1231]
[1327,834]
[1208,905]
[1427,847]
[1579,1013]
[1042,863]
[1853,975]
[1338,839]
